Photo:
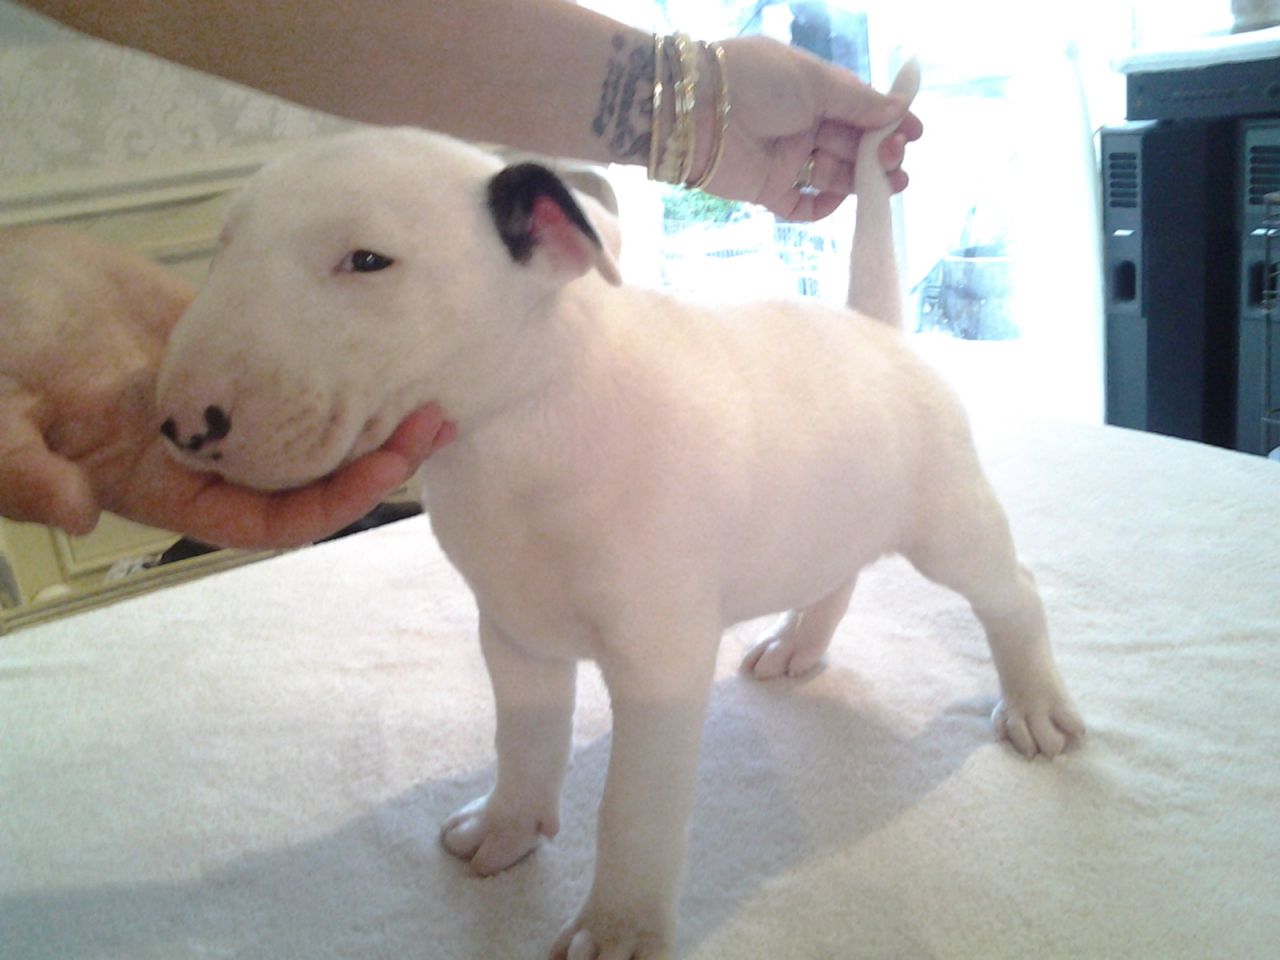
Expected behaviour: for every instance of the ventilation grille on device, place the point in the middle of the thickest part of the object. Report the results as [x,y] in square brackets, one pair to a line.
[1264,173]
[1122,180]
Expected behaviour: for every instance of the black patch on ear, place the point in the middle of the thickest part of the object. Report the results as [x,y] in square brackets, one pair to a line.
[512,194]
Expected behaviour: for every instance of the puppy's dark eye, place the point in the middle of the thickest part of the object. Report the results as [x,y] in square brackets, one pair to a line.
[364,261]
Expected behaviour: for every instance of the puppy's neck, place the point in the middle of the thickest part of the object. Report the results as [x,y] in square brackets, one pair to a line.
[522,360]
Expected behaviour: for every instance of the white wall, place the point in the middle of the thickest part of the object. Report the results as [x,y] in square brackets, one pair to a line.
[68,102]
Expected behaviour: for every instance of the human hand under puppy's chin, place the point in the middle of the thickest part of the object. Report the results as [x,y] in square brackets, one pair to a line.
[82,327]
[163,493]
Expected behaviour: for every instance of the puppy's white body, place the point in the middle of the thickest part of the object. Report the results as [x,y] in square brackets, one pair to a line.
[632,473]
[673,449]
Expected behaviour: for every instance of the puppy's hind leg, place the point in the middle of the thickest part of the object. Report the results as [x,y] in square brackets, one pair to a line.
[968,547]
[795,646]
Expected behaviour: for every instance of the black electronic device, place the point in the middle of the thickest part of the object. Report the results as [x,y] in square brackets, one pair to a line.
[1257,413]
[1170,255]
[1213,90]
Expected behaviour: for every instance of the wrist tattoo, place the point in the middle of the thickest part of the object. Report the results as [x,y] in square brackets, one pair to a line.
[626,100]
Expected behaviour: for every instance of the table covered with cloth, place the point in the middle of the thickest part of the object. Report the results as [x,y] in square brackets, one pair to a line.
[255,765]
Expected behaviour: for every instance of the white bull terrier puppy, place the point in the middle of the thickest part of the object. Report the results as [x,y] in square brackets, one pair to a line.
[632,473]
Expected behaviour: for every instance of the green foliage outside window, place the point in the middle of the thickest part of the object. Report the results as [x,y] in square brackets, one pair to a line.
[693,206]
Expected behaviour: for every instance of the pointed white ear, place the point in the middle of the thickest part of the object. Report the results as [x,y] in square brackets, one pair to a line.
[544,227]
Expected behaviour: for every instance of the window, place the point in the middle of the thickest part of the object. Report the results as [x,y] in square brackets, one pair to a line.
[999,236]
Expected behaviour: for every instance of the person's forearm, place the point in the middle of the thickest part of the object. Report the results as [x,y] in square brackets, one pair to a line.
[542,75]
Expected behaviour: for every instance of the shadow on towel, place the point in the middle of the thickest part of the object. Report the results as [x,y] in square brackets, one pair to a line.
[789,775]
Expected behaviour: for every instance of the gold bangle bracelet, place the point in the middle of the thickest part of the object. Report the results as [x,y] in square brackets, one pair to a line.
[676,152]
[686,94]
[722,115]
[655,129]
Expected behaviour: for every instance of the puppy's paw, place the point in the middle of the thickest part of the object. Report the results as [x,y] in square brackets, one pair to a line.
[788,651]
[595,936]
[1045,724]
[492,839]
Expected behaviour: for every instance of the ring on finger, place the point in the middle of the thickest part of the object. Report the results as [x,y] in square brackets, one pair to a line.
[804,179]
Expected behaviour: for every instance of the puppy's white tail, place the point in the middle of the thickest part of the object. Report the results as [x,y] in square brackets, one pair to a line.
[874,286]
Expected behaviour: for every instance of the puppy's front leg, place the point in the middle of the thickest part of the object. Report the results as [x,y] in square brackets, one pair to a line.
[658,708]
[534,700]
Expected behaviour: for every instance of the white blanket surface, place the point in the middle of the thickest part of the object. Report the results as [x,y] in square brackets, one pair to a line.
[255,765]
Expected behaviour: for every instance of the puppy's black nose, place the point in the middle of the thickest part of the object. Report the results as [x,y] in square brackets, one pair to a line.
[217,424]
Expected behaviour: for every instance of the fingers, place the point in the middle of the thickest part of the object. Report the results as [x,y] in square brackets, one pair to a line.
[825,178]
[804,208]
[51,491]
[850,107]
[893,152]
[37,485]
[836,151]
[420,434]
[830,173]
[911,129]
[846,100]
[841,141]
[234,516]
[330,504]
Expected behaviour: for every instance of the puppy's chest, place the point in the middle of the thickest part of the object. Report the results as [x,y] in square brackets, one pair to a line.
[538,569]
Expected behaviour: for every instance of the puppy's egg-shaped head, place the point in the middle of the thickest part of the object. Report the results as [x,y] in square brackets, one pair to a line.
[356,280]
[344,281]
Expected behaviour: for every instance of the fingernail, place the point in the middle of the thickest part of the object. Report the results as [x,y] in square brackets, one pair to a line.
[79,520]
[444,436]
